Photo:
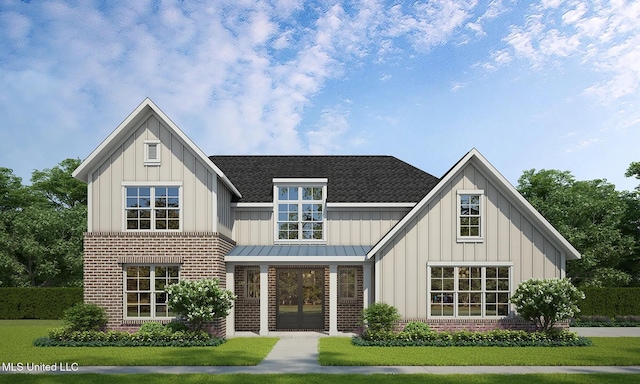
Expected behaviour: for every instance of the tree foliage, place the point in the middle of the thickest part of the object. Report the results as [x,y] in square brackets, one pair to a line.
[199,301]
[41,227]
[592,216]
[545,302]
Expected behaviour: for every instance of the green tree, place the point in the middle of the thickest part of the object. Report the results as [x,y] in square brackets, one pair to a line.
[199,301]
[545,302]
[41,227]
[589,215]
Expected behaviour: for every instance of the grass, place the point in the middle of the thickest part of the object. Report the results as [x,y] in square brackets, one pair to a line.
[17,346]
[321,379]
[613,351]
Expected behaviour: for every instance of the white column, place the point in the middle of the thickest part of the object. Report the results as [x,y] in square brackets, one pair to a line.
[231,323]
[264,300]
[366,285]
[376,282]
[333,299]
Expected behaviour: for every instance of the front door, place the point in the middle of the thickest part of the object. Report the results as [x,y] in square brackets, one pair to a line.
[299,299]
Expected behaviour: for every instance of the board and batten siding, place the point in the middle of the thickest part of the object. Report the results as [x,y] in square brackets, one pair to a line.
[343,227]
[225,217]
[509,237]
[178,164]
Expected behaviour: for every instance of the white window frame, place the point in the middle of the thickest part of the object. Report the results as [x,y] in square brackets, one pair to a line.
[456,290]
[481,216]
[152,187]
[299,183]
[148,160]
[247,283]
[152,290]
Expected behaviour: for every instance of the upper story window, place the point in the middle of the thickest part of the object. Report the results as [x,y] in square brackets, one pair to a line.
[152,152]
[470,212]
[300,210]
[150,208]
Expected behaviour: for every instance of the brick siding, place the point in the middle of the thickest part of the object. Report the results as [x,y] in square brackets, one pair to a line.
[349,311]
[247,311]
[516,323]
[200,254]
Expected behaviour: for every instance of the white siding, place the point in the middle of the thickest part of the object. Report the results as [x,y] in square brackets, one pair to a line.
[344,227]
[178,164]
[509,237]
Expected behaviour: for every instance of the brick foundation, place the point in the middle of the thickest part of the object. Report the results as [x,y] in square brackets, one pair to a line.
[200,255]
[480,325]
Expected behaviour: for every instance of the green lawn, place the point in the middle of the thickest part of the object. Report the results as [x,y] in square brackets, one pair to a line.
[605,351]
[322,379]
[17,337]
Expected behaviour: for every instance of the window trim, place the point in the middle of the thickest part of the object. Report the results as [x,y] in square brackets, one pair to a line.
[299,183]
[148,161]
[152,186]
[152,273]
[456,290]
[481,215]
[355,284]
[247,282]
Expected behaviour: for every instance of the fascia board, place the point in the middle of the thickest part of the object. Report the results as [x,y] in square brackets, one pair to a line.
[82,172]
[295,259]
[472,155]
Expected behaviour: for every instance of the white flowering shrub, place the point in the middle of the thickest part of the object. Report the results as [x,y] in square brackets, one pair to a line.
[199,301]
[545,302]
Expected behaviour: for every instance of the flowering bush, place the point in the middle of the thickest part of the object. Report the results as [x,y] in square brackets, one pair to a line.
[545,302]
[199,301]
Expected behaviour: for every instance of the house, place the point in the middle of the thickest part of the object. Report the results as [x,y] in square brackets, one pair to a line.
[305,242]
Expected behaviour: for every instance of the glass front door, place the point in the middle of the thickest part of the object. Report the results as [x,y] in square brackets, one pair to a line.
[299,299]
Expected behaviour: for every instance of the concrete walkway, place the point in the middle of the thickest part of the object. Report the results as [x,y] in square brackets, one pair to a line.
[297,352]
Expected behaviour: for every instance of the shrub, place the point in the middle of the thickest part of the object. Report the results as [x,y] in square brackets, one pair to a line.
[200,301]
[62,337]
[85,317]
[416,330]
[545,302]
[176,326]
[380,317]
[37,303]
[610,302]
[152,328]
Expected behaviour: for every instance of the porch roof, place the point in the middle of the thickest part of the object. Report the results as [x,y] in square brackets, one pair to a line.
[300,250]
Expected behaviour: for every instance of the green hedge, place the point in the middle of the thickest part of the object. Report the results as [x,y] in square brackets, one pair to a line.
[37,303]
[610,302]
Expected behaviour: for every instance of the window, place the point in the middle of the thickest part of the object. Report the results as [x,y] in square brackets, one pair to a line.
[347,283]
[469,291]
[470,224]
[300,212]
[152,208]
[144,290]
[152,152]
[252,280]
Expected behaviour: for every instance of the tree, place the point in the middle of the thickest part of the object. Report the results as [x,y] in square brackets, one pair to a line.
[589,215]
[545,302]
[41,227]
[199,301]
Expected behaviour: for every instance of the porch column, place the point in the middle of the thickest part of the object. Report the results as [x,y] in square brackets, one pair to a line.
[333,299]
[264,300]
[366,285]
[231,282]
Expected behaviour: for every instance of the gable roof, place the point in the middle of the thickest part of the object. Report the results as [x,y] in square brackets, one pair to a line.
[124,130]
[489,170]
[351,179]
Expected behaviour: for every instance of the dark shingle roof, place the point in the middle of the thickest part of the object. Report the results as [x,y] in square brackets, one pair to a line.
[367,179]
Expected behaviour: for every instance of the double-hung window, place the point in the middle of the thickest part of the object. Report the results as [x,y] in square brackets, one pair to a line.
[145,296]
[347,283]
[300,211]
[469,291]
[152,208]
[470,219]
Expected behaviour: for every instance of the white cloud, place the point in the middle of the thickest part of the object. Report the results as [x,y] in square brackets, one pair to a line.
[330,132]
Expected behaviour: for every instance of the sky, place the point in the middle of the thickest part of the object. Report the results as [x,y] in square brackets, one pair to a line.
[547,84]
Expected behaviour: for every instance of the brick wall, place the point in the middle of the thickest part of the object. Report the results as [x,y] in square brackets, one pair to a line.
[349,311]
[247,311]
[201,255]
[516,323]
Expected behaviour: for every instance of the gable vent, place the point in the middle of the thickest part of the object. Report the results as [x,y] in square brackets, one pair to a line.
[151,153]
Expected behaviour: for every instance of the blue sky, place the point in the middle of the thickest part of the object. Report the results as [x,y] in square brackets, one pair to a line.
[545,84]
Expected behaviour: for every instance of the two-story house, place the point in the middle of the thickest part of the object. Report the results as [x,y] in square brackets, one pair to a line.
[305,242]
